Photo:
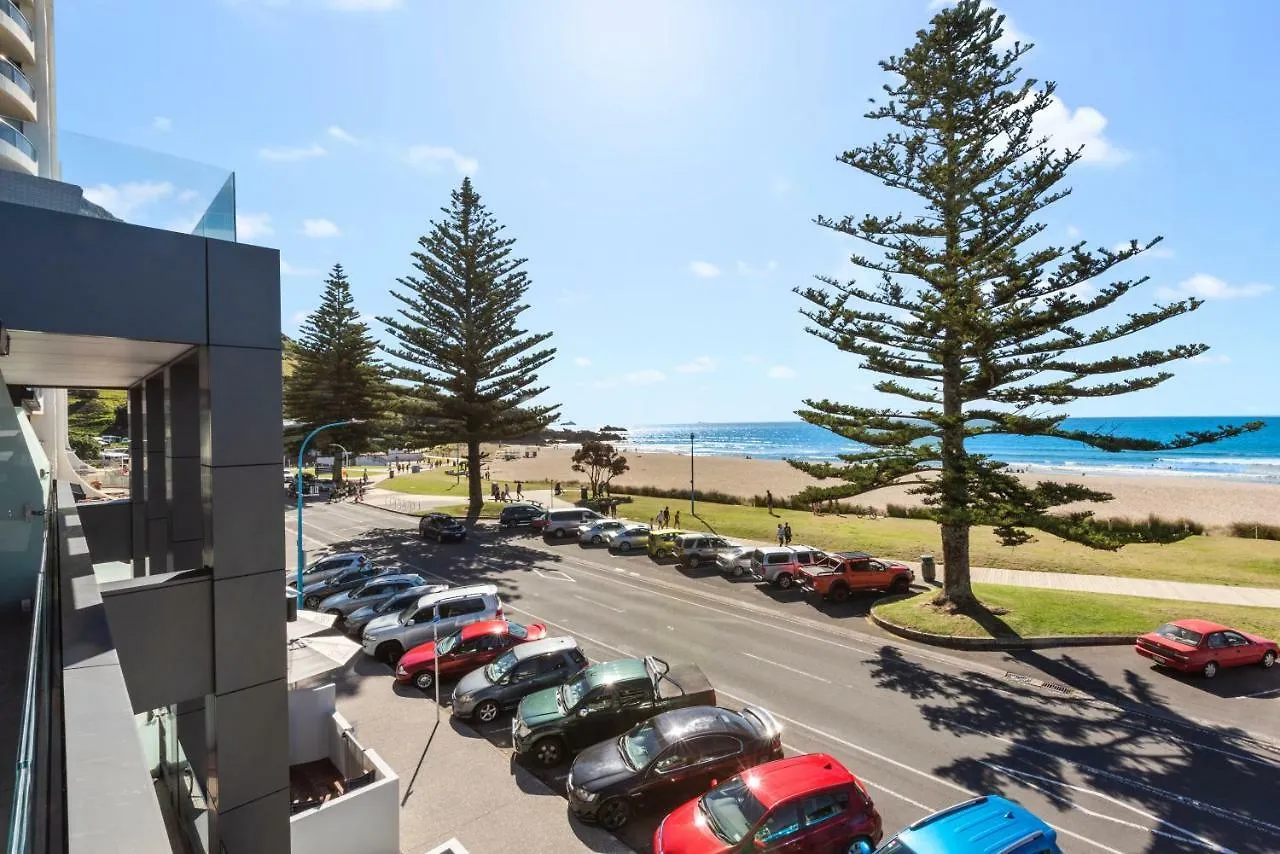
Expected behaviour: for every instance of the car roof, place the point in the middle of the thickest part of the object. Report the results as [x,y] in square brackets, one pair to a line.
[543,647]
[608,672]
[700,720]
[484,627]
[455,592]
[785,778]
[850,555]
[1201,626]
[521,507]
[399,576]
[984,825]
[342,556]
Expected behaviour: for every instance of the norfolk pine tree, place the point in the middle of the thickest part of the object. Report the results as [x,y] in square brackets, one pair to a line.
[335,375]
[472,371]
[967,319]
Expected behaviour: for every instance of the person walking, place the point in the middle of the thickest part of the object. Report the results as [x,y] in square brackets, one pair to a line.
[666,517]
[768,498]
[786,533]
[677,518]
[519,490]
[781,535]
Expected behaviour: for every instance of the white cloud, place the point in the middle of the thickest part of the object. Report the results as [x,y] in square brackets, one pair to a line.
[287,269]
[432,157]
[745,269]
[704,269]
[647,376]
[298,317]
[780,372]
[1207,287]
[253,225]
[582,362]
[1083,126]
[163,124]
[1011,33]
[1210,359]
[340,134]
[125,199]
[188,196]
[700,365]
[320,228]
[284,155]
[184,224]
[365,5]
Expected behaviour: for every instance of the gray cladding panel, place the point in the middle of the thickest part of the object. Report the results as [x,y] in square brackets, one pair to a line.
[239,314]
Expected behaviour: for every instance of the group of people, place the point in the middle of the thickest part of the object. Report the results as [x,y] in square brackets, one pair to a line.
[663,519]
[784,534]
[504,494]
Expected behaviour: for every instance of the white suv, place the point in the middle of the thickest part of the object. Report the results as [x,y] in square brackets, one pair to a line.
[778,564]
[562,523]
[433,616]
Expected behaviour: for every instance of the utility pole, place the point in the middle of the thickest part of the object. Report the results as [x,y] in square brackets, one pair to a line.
[691,489]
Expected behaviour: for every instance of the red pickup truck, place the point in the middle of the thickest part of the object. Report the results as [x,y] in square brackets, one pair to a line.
[844,573]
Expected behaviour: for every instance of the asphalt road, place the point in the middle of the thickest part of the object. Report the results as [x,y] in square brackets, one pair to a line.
[1116,755]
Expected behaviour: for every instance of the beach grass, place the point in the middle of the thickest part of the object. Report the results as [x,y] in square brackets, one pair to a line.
[1033,612]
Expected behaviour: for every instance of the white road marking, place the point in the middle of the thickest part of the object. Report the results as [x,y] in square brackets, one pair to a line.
[628,653]
[1183,835]
[923,807]
[599,604]
[1257,694]
[618,569]
[786,667]
[553,574]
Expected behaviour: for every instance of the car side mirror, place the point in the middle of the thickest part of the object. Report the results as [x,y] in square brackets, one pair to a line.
[582,713]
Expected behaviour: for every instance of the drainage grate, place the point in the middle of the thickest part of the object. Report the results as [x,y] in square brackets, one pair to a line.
[1039,683]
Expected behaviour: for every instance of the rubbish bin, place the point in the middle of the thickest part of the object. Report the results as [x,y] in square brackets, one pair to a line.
[291,609]
[927,570]
[584,493]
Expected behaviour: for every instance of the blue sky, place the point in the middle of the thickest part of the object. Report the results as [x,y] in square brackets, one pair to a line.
[660,164]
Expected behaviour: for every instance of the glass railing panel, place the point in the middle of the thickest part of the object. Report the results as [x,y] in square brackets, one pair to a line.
[14,137]
[8,8]
[8,69]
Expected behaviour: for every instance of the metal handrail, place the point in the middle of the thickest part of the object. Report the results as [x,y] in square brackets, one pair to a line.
[16,13]
[20,811]
[14,73]
[17,139]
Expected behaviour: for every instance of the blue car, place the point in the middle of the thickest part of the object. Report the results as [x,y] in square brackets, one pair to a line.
[986,825]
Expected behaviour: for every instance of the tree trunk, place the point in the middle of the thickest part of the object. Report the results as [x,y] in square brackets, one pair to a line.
[956,589]
[474,486]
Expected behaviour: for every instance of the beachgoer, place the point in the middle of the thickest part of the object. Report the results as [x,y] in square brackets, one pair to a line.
[519,489]
[666,517]
[768,498]
[786,533]
[781,535]
[677,518]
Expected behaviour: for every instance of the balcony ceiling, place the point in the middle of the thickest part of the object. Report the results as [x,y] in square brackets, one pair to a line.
[42,360]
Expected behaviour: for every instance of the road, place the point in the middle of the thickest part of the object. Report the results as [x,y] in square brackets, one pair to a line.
[923,728]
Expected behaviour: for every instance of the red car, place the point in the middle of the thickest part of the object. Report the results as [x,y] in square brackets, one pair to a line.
[474,645]
[803,805]
[1199,646]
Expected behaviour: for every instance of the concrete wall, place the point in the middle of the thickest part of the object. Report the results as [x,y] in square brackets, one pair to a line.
[310,723]
[21,485]
[108,528]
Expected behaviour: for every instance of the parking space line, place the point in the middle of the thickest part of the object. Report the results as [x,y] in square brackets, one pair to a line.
[786,667]
[1257,694]
[600,604]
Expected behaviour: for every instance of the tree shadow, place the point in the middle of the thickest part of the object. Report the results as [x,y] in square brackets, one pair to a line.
[1020,740]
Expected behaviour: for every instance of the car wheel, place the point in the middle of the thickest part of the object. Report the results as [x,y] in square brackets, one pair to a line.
[558,533]
[597,540]
[784,581]
[614,814]
[311,602]
[1210,670]
[334,612]
[548,752]
[624,546]
[737,571]
[389,653]
[1268,659]
[487,712]
[425,680]
[839,593]
[900,585]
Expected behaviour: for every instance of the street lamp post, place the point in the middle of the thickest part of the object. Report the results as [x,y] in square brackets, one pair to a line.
[691,490]
[302,555]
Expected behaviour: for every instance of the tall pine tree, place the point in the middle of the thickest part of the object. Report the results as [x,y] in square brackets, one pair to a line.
[971,319]
[335,372]
[472,371]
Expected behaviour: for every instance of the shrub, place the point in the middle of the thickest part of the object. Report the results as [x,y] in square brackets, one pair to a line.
[1152,528]
[1255,530]
[900,511]
[711,495]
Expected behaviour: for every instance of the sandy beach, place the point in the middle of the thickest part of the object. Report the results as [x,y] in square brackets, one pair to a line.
[1212,502]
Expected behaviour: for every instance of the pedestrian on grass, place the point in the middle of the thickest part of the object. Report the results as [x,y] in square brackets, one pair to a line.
[677,518]
[786,533]
[781,535]
[666,517]
[519,490]
[768,498]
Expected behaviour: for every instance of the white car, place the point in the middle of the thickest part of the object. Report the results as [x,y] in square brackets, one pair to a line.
[594,532]
[633,536]
[735,561]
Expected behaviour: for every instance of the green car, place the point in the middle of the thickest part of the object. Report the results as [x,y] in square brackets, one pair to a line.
[603,701]
[662,544]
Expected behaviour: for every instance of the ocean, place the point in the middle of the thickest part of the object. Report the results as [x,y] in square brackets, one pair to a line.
[1253,456]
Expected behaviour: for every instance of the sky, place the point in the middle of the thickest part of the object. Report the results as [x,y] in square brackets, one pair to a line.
[661,163]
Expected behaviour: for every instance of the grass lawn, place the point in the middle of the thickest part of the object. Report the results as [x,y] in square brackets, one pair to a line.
[1033,612]
[436,482]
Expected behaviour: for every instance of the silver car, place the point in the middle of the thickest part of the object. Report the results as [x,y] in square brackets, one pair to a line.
[327,567]
[632,537]
[356,621]
[735,561]
[435,615]
[596,531]
[372,592]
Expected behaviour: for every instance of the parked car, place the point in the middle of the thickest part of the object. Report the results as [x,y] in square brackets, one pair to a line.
[375,590]
[519,515]
[517,673]
[986,825]
[354,623]
[433,616]
[662,544]
[735,561]
[561,523]
[595,532]
[441,527]
[472,646]
[327,567]
[603,701]
[778,565]
[1199,646]
[845,573]
[668,758]
[808,804]
[693,550]
[633,536]
[313,593]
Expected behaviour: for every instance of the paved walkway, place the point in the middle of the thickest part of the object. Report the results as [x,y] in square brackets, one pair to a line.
[1154,588]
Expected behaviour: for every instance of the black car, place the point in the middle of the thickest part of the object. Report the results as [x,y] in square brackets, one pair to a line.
[669,759]
[519,515]
[441,527]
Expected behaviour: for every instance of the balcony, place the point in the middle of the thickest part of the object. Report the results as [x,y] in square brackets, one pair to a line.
[16,151]
[17,95]
[16,36]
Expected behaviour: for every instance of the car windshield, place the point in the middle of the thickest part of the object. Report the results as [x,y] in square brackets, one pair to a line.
[1179,634]
[447,645]
[572,692]
[642,745]
[397,602]
[407,614]
[731,809]
[517,631]
[501,667]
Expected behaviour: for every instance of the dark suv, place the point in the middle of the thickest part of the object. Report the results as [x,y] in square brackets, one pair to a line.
[519,515]
[441,527]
